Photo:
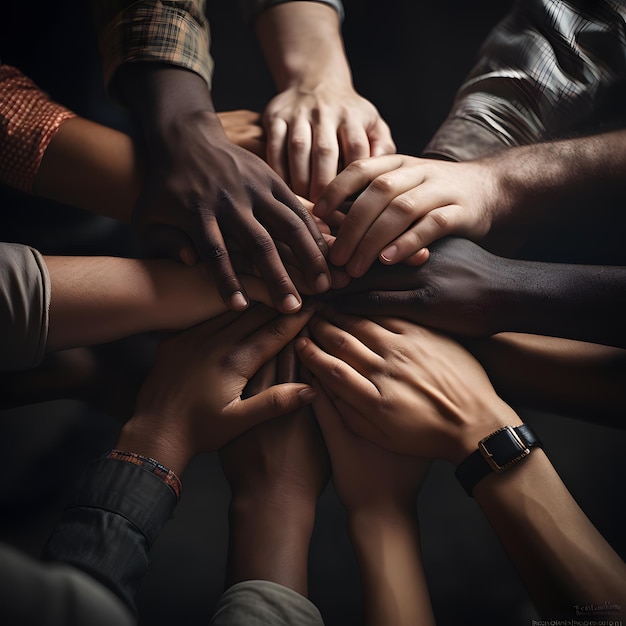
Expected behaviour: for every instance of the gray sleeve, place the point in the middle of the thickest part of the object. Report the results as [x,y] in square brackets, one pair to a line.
[44,594]
[251,8]
[24,307]
[547,71]
[264,603]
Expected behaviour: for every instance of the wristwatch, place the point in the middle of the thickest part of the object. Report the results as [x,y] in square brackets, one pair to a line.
[496,453]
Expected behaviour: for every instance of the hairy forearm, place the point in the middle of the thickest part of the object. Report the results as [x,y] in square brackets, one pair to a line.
[269,540]
[560,555]
[302,44]
[390,563]
[550,181]
[582,302]
[100,299]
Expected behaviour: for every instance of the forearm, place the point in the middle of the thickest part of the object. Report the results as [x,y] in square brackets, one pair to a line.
[100,299]
[302,44]
[561,557]
[269,540]
[390,563]
[551,181]
[562,376]
[91,167]
[582,302]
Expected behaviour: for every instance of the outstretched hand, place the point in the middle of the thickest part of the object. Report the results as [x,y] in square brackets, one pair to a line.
[460,289]
[192,400]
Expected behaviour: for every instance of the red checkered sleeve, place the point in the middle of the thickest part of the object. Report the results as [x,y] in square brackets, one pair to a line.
[28,122]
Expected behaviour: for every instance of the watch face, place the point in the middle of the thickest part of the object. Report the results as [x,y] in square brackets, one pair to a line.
[503,448]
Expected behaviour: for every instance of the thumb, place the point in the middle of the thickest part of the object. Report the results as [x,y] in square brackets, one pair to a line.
[273,402]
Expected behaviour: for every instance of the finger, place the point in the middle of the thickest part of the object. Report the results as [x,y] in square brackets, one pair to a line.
[328,418]
[288,228]
[287,365]
[393,192]
[299,155]
[261,247]
[434,225]
[354,142]
[352,180]
[213,253]
[276,131]
[336,375]
[254,349]
[381,141]
[273,402]
[325,158]
[415,260]
[360,342]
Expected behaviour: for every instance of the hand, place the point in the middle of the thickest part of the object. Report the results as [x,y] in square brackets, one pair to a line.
[406,388]
[201,189]
[461,289]
[368,479]
[311,134]
[243,128]
[405,204]
[283,460]
[192,401]
[276,472]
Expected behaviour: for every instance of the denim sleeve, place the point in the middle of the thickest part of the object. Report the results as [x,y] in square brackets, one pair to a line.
[111,524]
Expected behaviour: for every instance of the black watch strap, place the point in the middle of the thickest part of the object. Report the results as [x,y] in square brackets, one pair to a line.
[496,453]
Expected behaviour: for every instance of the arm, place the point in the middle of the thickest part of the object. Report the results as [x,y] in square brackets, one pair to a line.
[464,289]
[379,490]
[100,299]
[317,122]
[406,203]
[425,395]
[191,402]
[276,472]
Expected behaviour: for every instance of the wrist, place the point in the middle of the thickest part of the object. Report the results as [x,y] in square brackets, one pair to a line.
[490,419]
[145,437]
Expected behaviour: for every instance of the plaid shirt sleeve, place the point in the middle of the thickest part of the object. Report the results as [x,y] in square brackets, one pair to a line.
[175,32]
[546,71]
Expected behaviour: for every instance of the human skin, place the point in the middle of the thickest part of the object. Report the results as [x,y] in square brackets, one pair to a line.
[405,203]
[317,122]
[201,189]
[417,392]
[276,472]
[379,490]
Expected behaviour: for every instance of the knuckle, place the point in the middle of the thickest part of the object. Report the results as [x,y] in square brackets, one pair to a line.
[404,205]
[360,166]
[299,143]
[441,219]
[382,184]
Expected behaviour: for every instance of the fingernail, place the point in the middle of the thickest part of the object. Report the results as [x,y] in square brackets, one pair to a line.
[322,283]
[389,254]
[308,394]
[238,301]
[291,303]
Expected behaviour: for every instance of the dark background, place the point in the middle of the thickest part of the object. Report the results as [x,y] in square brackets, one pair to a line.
[407,58]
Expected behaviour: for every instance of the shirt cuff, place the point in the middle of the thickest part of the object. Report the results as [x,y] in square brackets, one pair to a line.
[173,33]
[24,307]
[111,523]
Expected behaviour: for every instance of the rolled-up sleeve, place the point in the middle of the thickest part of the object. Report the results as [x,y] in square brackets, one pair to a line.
[546,71]
[24,307]
[175,32]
